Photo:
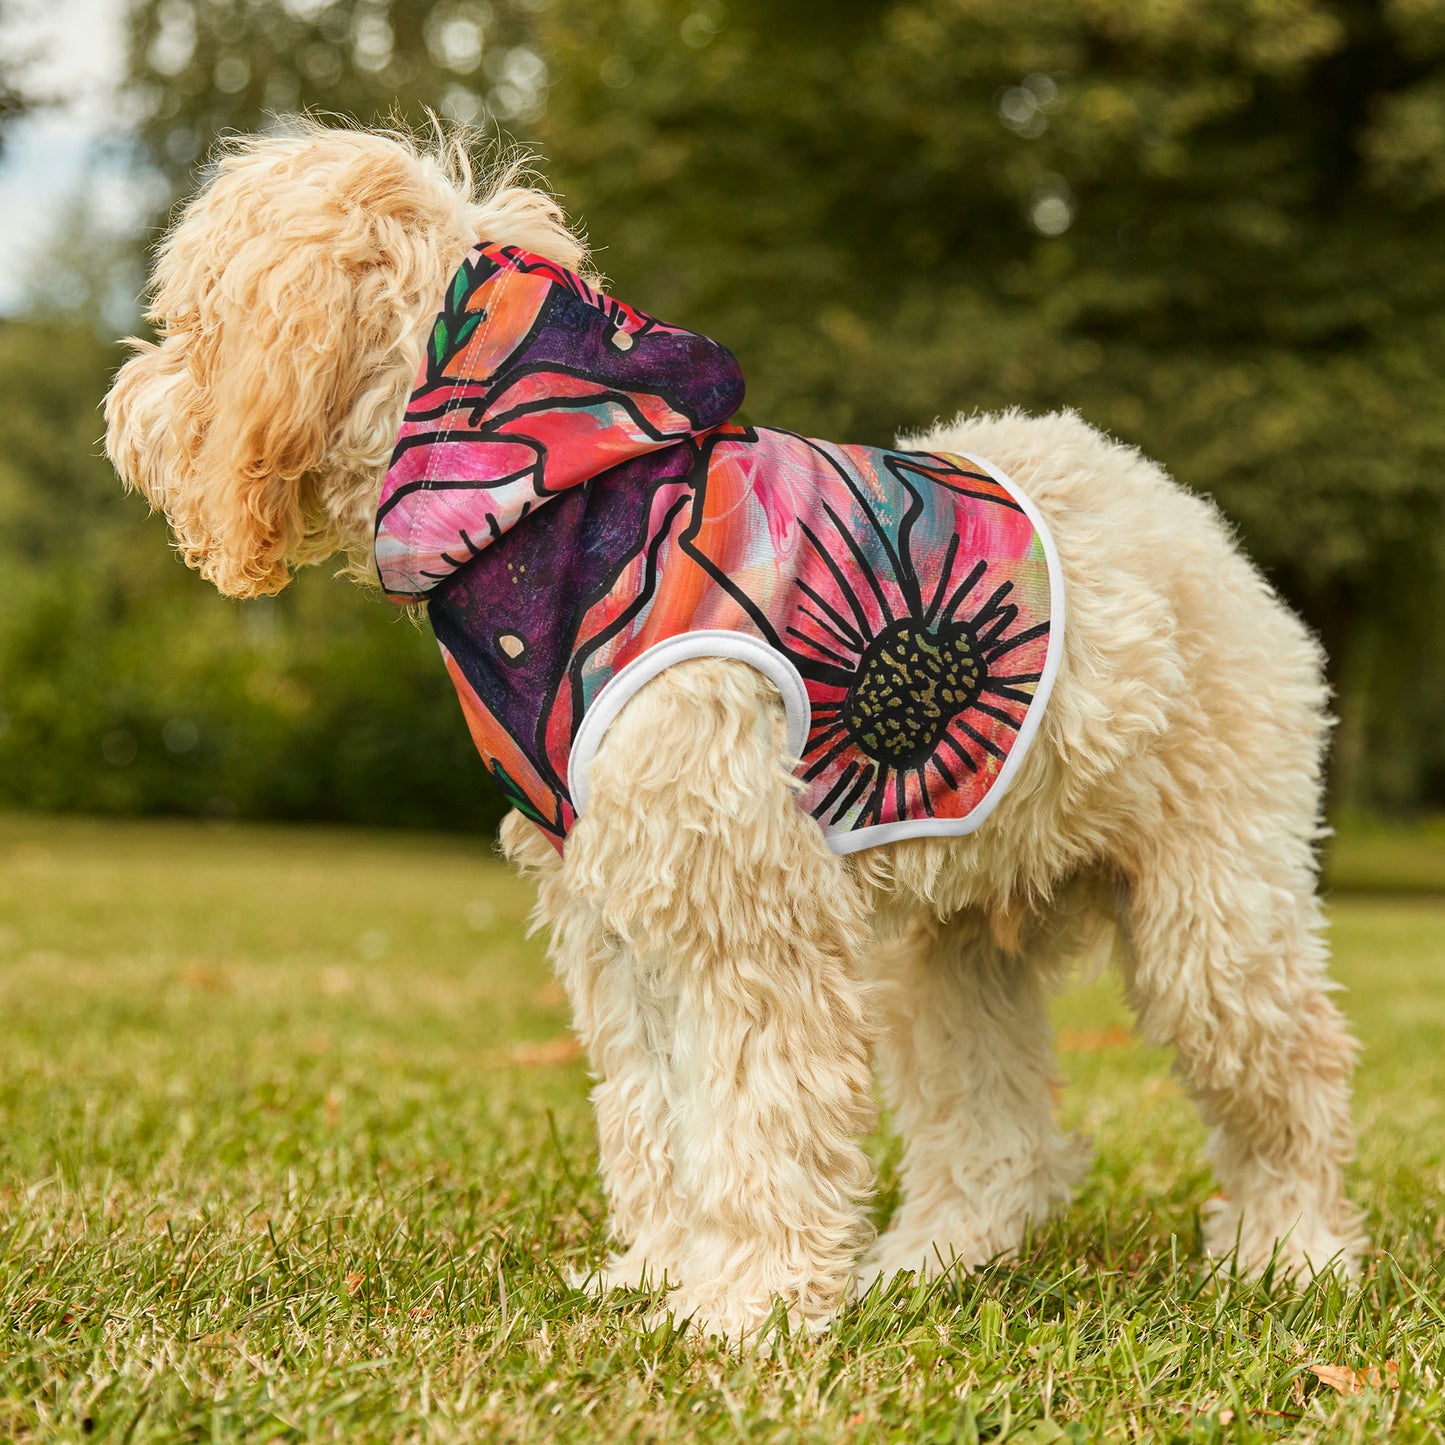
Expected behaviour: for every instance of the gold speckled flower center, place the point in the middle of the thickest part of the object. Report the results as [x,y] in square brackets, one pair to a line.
[910,685]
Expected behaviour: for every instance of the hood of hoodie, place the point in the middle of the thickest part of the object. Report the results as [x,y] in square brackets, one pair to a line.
[533,384]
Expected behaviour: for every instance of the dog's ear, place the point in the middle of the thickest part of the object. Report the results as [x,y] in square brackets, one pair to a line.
[292,300]
[221,424]
[275,354]
[284,299]
[148,411]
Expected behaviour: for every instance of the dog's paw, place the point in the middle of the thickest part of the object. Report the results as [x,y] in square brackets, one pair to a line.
[985,1224]
[925,1262]
[929,1254]
[1298,1245]
[752,1324]
[634,1270]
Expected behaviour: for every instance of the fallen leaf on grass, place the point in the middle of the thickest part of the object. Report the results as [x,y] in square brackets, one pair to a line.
[201,975]
[551,1051]
[354,1283]
[1346,1381]
[1084,1041]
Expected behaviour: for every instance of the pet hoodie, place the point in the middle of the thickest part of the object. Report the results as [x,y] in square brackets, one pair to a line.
[571,500]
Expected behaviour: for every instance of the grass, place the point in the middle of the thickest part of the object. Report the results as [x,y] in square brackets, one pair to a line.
[1373,856]
[292,1146]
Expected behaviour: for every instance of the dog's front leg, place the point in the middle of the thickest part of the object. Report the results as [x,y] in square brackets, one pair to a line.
[622,1012]
[743,931]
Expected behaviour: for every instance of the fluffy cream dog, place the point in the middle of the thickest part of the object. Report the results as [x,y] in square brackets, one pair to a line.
[730,976]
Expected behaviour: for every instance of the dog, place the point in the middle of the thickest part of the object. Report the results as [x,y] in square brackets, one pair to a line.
[733,967]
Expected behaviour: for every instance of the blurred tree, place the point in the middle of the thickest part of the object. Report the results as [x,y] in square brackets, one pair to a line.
[199,68]
[14,100]
[127,685]
[1216,229]
[1213,226]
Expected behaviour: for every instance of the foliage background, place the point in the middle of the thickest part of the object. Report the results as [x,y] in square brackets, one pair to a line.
[1215,227]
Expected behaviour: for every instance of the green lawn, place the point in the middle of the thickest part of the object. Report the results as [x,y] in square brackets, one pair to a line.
[292,1146]
[1370,856]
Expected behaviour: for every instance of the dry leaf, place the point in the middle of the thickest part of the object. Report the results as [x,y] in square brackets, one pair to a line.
[1088,1041]
[354,1283]
[201,975]
[553,1051]
[1346,1381]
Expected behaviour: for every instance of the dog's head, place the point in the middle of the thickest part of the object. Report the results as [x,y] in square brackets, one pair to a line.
[291,302]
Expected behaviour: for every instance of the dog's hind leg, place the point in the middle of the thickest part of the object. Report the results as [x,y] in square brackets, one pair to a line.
[1228,965]
[694,853]
[1226,959]
[966,1062]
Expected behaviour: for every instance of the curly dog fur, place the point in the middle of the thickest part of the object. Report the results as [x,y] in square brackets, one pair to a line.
[731,979]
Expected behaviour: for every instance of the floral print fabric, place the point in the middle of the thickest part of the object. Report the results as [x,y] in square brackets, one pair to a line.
[570,498]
